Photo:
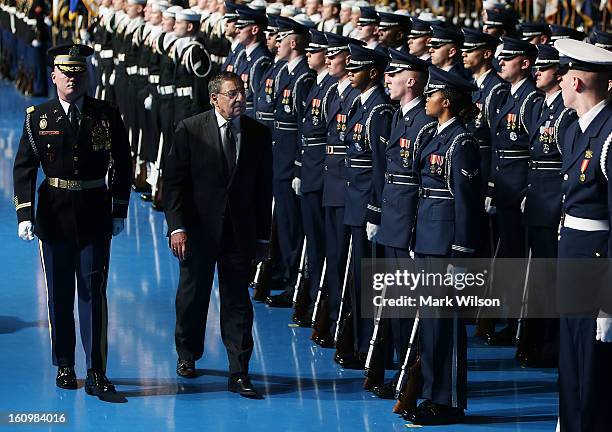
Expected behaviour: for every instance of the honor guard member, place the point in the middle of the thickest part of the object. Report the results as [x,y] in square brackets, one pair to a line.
[345,17]
[585,348]
[478,51]
[291,86]
[105,51]
[447,163]
[542,208]
[264,76]
[393,31]
[74,138]
[308,180]
[510,160]
[535,33]
[192,68]
[602,39]
[500,22]
[406,78]
[118,78]
[561,32]
[367,135]
[330,17]
[418,39]
[231,16]
[114,26]
[251,26]
[444,47]
[336,105]
[368,26]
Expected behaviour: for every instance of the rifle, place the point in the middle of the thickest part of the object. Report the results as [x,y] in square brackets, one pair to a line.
[298,282]
[140,168]
[409,381]
[375,374]
[262,280]
[344,283]
[319,293]
[301,293]
[522,342]
[156,187]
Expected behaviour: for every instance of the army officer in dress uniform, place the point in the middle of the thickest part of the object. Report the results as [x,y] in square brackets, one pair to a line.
[75,139]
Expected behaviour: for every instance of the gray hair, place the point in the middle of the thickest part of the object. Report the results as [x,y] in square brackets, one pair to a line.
[215,83]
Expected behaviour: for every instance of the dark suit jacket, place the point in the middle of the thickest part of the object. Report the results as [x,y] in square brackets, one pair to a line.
[198,192]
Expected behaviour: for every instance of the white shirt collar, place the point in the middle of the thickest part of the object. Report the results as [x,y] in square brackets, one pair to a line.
[447,68]
[321,76]
[590,115]
[221,121]
[66,105]
[550,99]
[425,56]
[481,78]
[343,85]
[364,96]
[414,102]
[294,63]
[249,50]
[516,86]
[372,45]
[234,45]
[444,125]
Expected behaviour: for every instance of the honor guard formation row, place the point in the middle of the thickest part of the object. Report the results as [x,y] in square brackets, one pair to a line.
[398,133]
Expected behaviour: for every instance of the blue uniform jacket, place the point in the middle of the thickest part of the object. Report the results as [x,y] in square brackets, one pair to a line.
[400,194]
[245,66]
[336,116]
[313,130]
[263,91]
[450,199]
[230,60]
[367,135]
[290,91]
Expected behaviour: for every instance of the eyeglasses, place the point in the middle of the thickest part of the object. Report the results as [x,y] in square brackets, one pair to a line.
[233,94]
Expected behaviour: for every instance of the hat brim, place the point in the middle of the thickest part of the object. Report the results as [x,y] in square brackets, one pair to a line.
[74,69]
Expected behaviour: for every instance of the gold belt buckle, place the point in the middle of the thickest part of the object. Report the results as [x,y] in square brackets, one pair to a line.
[72,184]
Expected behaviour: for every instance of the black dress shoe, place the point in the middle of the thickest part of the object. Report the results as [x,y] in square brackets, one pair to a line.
[504,337]
[96,384]
[242,385]
[385,391]
[147,197]
[431,414]
[351,360]
[66,378]
[186,368]
[326,341]
[302,320]
[283,300]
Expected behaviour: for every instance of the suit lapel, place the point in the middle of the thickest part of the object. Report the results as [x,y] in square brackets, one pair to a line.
[211,129]
[243,150]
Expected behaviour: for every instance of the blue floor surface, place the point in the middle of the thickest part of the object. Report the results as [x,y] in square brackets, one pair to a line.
[304,389]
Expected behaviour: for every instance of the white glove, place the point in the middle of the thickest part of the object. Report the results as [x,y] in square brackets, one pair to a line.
[94,62]
[111,80]
[84,36]
[296,185]
[48,21]
[25,231]
[488,207]
[103,79]
[523,204]
[35,43]
[118,225]
[604,327]
[371,230]
[148,102]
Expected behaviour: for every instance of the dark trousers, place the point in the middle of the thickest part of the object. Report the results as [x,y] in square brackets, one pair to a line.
[61,262]
[336,250]
[585,377]
[443,350]
[289,229]
[193,296]
[313,218]
[362,327]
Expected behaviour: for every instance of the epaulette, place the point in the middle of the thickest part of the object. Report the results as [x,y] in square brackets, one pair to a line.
[304,76]
[527,101]
[497,89]
[382,108]
[604,155]
[557,125]
[30,109]
[449,156]
[324,103]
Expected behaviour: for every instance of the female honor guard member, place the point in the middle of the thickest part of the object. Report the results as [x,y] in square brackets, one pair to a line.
[74,138]
[584,295]
[447,163]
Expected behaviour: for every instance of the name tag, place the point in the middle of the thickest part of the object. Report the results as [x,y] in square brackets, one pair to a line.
[49,132]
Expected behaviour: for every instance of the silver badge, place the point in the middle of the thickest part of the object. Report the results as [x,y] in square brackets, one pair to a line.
[287,109]
[513,136]
[315,120]
[268,98]
[341,136]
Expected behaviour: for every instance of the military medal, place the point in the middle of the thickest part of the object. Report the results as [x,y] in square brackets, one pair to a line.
[268,89]
[285,100]
[478,119]
[357,132]
[245,79]
[404,152]
[435,163]
[588,154]
[316,110]
[546,136]
[42,124]
[583,167]
[513,136]
[511,121]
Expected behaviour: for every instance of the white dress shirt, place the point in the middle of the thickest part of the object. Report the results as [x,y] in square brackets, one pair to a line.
[235,128]
[590,115]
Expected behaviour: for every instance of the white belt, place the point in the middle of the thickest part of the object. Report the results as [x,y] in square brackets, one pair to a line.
[97,47]
[132,70]
[107,53]
[184,91]
[143,71]
[154,79]
[165,90]
[121,57]
[582,224]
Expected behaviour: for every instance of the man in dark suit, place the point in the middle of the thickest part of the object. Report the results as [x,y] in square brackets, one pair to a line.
[218,195]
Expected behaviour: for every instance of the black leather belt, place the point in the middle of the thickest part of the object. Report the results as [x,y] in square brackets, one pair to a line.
[314,141]
[513,154]
[401,179]
[435,193]
[265,116]
[336,150]
[545,165]
[357,163]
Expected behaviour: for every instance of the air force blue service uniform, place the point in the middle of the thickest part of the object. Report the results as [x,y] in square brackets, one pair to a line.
[74,216]
[231,15]
[389,21]
[443,36]
[336,107]
[447,163]
[585,377]
[530,30]
[309,167]
[367,135]
[251,58]
[291,87]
